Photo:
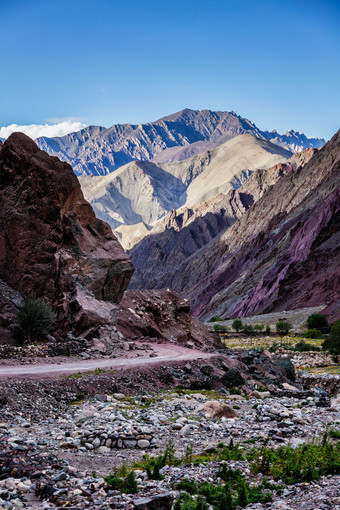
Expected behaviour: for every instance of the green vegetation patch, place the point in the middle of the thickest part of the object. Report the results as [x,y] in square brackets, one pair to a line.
[295,465]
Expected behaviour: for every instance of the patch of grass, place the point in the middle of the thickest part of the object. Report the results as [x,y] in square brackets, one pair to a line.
[295,465]
[79,375]
[236,491]
[127,485]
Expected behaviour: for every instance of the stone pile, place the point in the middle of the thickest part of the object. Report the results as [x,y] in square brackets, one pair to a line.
[130,435]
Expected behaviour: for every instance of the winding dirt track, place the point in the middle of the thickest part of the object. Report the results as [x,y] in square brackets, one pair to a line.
[165,353]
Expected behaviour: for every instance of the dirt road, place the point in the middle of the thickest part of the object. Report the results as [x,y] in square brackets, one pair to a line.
[165,353]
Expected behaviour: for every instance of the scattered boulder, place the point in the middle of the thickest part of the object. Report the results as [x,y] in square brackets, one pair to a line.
[287,366]
[164,316]
[158,502]
[260,394]
[216,409]
[232,378]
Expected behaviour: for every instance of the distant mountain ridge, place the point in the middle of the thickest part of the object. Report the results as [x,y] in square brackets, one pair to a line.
[97,150]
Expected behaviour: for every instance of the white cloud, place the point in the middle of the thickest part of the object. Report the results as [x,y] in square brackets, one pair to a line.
[50,130]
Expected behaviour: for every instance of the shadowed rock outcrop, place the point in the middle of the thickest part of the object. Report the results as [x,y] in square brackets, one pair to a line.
[51,242]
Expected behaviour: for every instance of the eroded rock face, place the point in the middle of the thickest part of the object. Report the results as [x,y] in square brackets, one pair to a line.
[51,242]
[162,315]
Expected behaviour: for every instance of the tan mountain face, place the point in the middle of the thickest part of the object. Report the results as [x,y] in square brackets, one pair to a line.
[160,253]
[141,193]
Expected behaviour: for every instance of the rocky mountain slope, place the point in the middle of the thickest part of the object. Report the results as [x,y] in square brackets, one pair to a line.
[97,150]
[159,253]
[52,244]
[142,192]
[282,254]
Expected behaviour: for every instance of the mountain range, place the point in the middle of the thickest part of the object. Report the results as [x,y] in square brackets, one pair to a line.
[135,196]
[97,150]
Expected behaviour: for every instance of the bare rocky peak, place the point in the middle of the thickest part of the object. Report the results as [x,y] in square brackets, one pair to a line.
[97,150]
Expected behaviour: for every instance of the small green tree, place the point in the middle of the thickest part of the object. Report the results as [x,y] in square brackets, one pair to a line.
[283,327]
[332,344]
[237,325]
[317,321]
[130,484]
[268,329]
[35,318]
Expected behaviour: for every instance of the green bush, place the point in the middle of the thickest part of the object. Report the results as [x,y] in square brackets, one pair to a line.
[332,344]
[248,330]
[127,485]
[296,465]
[305,347]
[35,318]
[215,318]
[317,321]
[268,329]
[237,325]
[312,333]
[236,492]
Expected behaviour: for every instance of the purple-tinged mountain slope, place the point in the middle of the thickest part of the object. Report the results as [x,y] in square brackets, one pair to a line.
[284,253]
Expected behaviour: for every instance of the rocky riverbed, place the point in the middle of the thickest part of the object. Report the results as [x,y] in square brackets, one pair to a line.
[63,458]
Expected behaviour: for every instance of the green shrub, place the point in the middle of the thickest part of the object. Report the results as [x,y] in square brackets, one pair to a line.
[332,344]
[259,327]
[312,333]
[248,330]
[215,318]
[127,485]
[296,465]
[268,329]
[237,325]
[236,491]
[305,347]
[317,321]
[35,318]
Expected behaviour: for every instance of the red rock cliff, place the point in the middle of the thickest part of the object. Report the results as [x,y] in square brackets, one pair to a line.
[51,242]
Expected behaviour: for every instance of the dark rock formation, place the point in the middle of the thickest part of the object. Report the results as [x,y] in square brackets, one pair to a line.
[162,315]
[175,238]
[97,150]
[52,244]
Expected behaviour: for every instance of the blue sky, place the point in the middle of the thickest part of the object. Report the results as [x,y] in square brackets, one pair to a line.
[108,61]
